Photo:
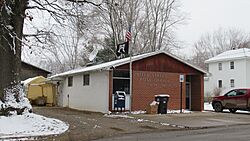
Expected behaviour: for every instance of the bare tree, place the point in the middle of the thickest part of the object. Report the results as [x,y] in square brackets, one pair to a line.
[12,15]
[152,22]
[161,17]
[210,45]
[67,41]
[152,29]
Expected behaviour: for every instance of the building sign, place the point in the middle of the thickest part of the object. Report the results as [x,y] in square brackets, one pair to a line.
[157,79]
[181,78]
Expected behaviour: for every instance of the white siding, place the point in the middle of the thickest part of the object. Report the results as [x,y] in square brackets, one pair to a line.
[238,74]
[207,87]
[248,72]
[60,97]
[94,97]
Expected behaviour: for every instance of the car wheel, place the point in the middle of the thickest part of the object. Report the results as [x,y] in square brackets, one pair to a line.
[232,110]
[217,107]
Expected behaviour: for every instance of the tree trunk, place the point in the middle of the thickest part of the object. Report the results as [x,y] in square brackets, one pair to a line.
[12,16]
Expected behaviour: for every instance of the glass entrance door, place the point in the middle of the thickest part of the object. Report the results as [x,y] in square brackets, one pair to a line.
[188,95]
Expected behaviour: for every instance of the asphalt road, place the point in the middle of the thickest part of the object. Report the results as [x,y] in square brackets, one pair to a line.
[231,133]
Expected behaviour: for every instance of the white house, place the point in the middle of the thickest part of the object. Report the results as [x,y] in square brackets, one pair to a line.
[228,70]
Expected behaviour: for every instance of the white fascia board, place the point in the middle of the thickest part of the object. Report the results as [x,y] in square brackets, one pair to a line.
[224,59]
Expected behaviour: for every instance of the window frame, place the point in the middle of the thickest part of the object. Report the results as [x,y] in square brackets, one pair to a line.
[121,74]
[232,83]
[232,65]
[86,79]
[219,66]
[220,84]
[70,81]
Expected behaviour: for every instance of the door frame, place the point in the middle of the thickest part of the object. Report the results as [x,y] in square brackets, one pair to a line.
[190,95]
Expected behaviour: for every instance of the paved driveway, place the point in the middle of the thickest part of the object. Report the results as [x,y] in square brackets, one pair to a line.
[90,126]
[200,119]
[232,133]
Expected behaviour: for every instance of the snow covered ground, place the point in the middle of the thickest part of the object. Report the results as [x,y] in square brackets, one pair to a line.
[208,106]
[30,125]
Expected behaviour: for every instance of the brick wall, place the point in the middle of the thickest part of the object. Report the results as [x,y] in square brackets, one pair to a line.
[197,90]
[147,84]
[159,74]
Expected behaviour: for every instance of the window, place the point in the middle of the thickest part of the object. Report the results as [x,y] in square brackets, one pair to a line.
[207,67]
[232,65]
[70,81]
[242,92]
[121,81]
[85,79]
[121,73]
[121,85]
[220,66]
[232,93]
[220,83]
[232,83]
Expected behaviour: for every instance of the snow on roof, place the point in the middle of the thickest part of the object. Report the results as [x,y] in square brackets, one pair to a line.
[116,63]
[231,55]
[27,81]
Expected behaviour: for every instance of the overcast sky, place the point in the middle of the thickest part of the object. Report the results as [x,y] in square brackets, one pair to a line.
[209,15]
[206,16]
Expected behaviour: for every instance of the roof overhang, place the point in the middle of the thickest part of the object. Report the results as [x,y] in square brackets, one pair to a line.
[113,64]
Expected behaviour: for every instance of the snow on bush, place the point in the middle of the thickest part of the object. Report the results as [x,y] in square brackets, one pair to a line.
[15,99]
[27,124]
[2,105]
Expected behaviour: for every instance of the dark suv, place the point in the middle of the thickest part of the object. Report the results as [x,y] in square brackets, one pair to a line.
[237,99]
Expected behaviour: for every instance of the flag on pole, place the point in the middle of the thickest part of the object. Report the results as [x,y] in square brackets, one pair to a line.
[128,35]
[122,48]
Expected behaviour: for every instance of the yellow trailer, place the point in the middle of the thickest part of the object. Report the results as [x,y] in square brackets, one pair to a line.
[40,91]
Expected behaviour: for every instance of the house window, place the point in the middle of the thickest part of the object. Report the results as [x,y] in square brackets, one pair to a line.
[232,65]
[220,83]
[70,81]
[85,79]
[220,66]
[232,82]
